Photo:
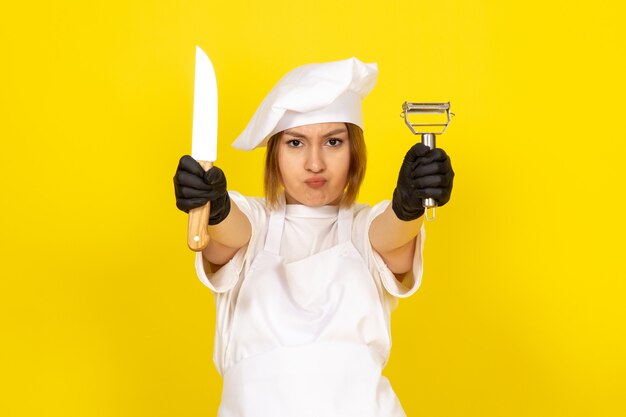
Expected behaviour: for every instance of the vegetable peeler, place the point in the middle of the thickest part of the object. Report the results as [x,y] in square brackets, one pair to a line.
[434,119]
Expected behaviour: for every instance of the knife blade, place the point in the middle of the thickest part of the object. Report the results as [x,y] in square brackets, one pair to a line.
[203,141]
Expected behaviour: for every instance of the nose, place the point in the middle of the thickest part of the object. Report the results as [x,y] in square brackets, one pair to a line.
[315,160]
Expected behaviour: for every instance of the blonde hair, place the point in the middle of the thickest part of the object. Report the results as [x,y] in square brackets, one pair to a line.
[356,172]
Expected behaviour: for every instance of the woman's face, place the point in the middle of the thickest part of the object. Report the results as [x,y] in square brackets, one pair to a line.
[314,161]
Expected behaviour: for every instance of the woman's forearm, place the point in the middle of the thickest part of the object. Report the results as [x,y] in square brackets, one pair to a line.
[227,237]
[394,240]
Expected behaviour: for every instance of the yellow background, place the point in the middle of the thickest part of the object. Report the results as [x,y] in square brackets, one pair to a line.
[522,307]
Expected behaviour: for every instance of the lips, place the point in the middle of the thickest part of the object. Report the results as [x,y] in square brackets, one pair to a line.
[315,182]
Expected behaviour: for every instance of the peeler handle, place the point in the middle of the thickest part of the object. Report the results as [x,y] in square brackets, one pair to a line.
[428,139]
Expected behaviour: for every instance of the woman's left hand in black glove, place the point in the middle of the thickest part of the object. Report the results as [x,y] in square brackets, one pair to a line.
[425,173]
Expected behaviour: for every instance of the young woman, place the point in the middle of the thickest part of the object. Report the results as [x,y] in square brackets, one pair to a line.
[305,279]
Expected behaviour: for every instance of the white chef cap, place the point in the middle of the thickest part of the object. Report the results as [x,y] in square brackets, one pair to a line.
[314,93]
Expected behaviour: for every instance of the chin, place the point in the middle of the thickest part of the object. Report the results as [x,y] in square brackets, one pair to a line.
[312,200]
[324,201]
[317,203]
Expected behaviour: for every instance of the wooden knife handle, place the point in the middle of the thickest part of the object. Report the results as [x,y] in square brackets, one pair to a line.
[198,234]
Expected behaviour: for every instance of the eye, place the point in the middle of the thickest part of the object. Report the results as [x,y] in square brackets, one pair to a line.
[294,143]
[334,142]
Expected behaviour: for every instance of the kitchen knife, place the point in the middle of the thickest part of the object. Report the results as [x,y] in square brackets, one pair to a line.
[203,142]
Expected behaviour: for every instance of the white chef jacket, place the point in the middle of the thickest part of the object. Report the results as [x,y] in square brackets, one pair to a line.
[307,230]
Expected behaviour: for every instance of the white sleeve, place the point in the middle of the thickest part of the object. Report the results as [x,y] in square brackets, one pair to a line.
[413,278]
[229,274]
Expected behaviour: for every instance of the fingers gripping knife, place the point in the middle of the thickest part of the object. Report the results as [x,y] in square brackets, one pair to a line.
[434,120]
[203,142]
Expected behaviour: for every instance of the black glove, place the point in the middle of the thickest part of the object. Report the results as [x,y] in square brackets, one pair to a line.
[425,173]
[194,187]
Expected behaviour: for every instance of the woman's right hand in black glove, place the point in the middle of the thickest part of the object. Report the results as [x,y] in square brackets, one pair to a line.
[194,187]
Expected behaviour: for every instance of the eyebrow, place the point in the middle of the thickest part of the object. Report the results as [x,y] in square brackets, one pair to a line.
[300,135]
